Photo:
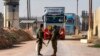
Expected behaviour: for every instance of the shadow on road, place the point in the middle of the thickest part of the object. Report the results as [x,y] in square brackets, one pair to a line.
[12,47]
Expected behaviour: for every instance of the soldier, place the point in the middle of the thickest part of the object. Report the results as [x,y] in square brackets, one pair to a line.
[40,38]
[55,36]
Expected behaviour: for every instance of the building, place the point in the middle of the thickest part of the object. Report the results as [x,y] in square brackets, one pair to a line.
[24,25]
[1,20]
[33,22]
[96,27]
[85,16]
[11,14]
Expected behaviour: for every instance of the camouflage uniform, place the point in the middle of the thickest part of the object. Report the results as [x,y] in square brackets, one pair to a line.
[55,35]
[40,39]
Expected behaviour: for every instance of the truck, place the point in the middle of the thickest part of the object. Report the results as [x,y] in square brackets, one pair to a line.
[54,16]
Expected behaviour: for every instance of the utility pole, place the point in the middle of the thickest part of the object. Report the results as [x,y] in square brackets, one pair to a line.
[77,26]
[90,28]
[28,12]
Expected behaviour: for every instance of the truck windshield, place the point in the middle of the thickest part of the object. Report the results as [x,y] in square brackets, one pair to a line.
[54,19]
[70,21]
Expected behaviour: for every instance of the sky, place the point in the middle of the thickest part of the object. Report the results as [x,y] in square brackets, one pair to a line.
[37,6]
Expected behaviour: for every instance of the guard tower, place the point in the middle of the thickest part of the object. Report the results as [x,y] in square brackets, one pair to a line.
[11,13]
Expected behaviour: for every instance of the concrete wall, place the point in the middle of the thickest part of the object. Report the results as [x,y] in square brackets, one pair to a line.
[97,22]
[11,14]
[1,20]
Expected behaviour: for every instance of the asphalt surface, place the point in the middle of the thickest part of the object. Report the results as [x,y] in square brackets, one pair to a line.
[65,48]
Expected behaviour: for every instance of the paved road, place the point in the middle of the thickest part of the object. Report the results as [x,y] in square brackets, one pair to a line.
[65,48]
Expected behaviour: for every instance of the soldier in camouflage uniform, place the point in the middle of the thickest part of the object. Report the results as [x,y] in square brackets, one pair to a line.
[40,38]
[55,36]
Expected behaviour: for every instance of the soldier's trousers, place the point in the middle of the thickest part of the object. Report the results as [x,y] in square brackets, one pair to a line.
[39,47]
[54,46]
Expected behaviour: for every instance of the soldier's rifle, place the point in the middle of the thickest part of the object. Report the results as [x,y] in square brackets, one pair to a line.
[42,42]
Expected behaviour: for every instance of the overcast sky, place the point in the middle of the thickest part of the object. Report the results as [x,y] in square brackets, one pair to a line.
[37,6]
